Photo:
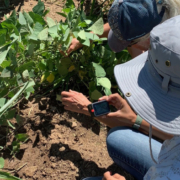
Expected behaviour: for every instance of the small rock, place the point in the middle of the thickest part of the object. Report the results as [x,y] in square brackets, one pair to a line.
[43,112]
[73,124]
[53,165]
[52,159]
[62,149]
[72,166]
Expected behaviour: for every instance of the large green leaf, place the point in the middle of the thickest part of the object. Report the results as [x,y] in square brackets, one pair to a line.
[66,34]
[28,18]
[21,137]
[70,3]
[50,22]
[31,49]
[29,66]
[95,95]
[107,91]
[105,82]
[5,175]
[63,70]
[82,35]
[97,27]
[66,61]
[5,64]
[99,71]
[10,102]
[43,35]
[1,163]
[53,31]
[3,53]
[2,102]
[39,8]
[2,36]
[37,18]
[6,73]
[86,42]
[36,30]
[22,20]
[25,74]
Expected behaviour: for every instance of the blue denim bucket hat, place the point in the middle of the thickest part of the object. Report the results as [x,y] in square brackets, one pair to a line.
[151,81]
[130,20]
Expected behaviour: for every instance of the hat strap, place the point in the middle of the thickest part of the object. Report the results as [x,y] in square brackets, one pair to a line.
[165,83]
[150,137]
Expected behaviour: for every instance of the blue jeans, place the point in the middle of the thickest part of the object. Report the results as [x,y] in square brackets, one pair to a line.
[130,150]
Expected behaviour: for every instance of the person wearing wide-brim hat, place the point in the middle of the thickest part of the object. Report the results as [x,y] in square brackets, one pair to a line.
[151,85]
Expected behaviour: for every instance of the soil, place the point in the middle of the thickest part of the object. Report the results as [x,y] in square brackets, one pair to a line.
[62,145]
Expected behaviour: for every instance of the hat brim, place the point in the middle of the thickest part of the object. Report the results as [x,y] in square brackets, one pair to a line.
[162,110]
[115,44]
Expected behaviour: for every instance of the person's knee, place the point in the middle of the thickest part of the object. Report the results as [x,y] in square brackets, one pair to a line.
[115,136]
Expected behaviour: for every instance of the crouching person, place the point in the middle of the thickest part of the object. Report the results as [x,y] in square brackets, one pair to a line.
[151,87]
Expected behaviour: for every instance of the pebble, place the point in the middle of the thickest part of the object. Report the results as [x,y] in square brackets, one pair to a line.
[62,149]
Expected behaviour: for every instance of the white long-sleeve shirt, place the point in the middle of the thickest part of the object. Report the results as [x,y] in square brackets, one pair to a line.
[168,166]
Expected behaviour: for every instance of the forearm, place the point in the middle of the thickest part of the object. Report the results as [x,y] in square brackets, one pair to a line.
[144,128]
[156,132]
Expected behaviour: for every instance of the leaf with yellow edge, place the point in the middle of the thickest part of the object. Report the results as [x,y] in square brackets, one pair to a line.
[81,74]
[42,78]
[50,78]
[71,68]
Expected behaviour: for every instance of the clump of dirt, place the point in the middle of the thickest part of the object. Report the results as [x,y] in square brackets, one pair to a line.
[62,145]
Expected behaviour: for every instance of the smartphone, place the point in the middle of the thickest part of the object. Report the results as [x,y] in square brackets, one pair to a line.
[100,108]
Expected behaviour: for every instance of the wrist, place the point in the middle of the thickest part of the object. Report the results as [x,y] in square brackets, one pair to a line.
[133,119]
[86,111]
[137,123]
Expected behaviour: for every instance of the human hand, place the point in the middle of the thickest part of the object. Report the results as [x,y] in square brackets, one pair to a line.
[75,44]
[75,101]
[108,176]
[124,112]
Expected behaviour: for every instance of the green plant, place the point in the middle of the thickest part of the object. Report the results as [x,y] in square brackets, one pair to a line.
[5,175]
[30,57]
[6,5]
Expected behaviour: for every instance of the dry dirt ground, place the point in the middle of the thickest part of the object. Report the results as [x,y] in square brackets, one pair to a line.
[62,145]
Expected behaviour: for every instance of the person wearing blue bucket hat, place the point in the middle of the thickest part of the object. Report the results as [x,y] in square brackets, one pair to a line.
[150,84]
[130,21]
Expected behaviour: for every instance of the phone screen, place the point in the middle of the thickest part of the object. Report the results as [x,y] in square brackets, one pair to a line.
[100,108]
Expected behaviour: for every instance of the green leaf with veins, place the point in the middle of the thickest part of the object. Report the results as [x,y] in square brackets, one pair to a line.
[50,22]
[21,137]
[99,71]
[22,20]
[43,35]
[39,8]
[28,18]
[95,95]
[103,81]
[97,27]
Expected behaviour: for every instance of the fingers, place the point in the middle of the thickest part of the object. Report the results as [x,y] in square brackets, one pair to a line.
[103,98]
[65,94]
[107,175]
[119,177]
[116,100]
[68,94]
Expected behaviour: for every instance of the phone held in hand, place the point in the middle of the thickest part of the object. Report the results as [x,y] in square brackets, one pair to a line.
[99,108]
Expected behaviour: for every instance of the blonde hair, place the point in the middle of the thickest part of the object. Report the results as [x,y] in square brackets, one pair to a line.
[172,8]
